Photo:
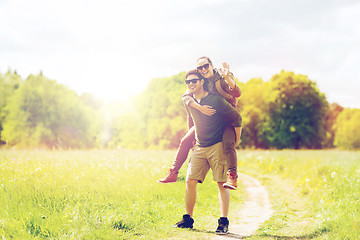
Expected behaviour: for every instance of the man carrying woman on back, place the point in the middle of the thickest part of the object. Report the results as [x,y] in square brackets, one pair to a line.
[220,82]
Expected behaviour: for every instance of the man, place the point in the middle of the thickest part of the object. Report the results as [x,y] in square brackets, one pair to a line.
[208,151]
[220,82]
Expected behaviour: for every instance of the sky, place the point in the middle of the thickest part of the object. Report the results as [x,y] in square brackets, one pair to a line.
[113,49]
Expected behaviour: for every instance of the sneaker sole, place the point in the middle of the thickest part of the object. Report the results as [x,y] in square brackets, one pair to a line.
[175,226]
[158,181]
[221,233]
[228,186]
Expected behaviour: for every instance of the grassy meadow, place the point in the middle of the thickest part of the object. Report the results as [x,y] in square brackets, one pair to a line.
[315,194]
[105,194]
[98,195]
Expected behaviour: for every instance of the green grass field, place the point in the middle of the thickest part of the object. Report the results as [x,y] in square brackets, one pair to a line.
[316,194]
[104,194]
[98,195]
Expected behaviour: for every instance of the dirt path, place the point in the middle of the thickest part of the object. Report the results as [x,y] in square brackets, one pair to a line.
[255,210]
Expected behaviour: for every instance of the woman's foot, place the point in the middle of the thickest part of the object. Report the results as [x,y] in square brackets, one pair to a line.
[170,177]
[231,182]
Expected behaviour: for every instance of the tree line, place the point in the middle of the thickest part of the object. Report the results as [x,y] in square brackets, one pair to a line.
[288,111]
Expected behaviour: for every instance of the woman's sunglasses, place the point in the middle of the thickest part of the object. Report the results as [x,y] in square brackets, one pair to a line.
[193,81]
[205,66]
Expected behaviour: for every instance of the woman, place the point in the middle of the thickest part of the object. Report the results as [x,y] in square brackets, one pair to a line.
[220,82]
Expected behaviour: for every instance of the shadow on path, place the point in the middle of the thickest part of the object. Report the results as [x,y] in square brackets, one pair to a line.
[230,235]
[315,234]
[255,210]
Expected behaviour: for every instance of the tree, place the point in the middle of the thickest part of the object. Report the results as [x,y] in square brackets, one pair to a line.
[157,118]
[297,113]
[347,135]
[253,105]
[334,111]
[8,85]
[128,132]
[45,113]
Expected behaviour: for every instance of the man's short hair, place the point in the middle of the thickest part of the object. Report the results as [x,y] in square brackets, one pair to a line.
[194,72]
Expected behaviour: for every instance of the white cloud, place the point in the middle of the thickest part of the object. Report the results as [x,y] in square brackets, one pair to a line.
[114,48]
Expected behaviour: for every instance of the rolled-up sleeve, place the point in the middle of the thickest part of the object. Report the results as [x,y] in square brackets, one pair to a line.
[187,98]
[235,92]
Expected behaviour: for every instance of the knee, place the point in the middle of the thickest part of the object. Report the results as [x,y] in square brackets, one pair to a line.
[222,189]
[191,183]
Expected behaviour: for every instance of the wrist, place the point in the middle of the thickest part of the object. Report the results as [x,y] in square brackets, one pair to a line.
[195,105]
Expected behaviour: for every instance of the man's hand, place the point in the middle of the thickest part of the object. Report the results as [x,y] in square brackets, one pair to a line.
[207,110]
[237,135]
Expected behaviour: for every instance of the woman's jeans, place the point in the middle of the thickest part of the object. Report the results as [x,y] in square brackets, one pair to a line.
[188,141]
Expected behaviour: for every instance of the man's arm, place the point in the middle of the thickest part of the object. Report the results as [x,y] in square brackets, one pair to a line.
[188,100]
[234,117]
[237,135]
[207,110]
[230,114]
[189,118]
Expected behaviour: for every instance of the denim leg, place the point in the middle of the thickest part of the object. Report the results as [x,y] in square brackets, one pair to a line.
[229,148]
[186,143]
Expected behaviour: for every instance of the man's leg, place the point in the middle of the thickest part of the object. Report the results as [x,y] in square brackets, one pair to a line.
[224,200]
[215,155]
[197,171]
[219,168]
[190,196]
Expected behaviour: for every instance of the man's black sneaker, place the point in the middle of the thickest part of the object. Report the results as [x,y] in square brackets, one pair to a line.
[223,227]
[186,222]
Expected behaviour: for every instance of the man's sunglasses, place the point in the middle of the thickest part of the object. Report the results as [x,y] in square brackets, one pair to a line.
[205,66]
[193,81]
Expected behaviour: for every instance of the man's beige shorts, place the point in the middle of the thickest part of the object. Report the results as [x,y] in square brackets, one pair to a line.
[204,158]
